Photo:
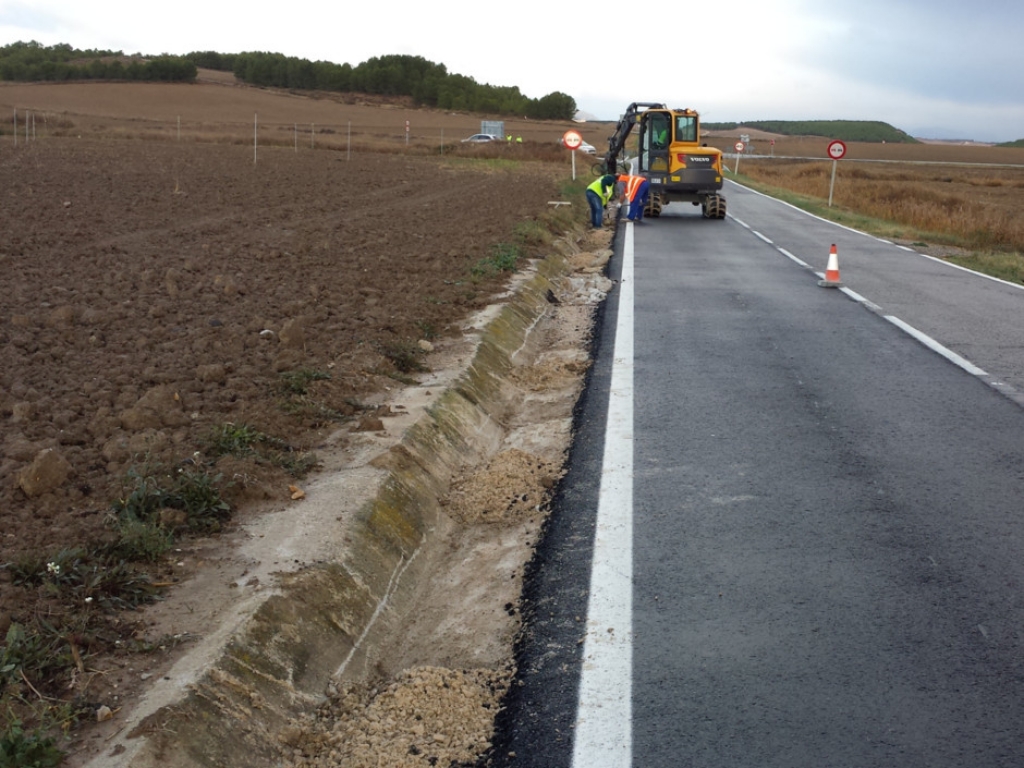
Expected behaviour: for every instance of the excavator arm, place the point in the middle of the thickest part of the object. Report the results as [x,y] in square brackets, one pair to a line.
[617,140]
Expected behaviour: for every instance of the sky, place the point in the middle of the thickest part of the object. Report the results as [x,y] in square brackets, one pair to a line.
[935,68]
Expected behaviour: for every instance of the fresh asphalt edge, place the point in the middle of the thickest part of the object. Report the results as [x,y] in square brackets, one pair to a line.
[535,726]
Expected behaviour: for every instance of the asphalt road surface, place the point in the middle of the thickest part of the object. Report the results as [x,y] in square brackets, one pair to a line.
[792,531]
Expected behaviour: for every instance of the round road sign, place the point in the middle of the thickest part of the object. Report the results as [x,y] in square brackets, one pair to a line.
[739,146]
[572,140]
[836,150]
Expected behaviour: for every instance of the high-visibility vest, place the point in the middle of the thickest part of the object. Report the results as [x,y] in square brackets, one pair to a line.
[632,185]
[605,193]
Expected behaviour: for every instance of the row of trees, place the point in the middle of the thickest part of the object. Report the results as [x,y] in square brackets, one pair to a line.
[425,82]
[33,62]
[846,130]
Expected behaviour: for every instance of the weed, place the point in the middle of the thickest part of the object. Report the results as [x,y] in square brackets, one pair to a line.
[297,382]
[231,439]
[80,577]
[138,540]
[533,233]
[427,330]
[318,413]
[404,355]
[19,749]
[28,653]
[243,440]
[504,257]
[191,489]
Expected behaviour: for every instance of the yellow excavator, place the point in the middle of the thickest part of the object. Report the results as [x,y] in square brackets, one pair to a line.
[671,156]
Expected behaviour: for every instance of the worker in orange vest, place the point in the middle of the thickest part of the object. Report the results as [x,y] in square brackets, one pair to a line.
[635,191]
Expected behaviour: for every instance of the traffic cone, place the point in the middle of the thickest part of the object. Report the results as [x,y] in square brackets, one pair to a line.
[832,270]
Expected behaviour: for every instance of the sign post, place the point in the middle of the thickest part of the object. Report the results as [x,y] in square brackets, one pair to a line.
[836,150]
[572,140]
[739,146]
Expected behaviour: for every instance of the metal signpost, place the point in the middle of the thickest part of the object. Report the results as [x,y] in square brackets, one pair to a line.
[836,150]
[739,151]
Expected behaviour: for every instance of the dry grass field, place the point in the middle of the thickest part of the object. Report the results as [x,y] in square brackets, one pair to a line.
[965,196]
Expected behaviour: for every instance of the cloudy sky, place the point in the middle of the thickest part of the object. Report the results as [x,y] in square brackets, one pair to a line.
[935,68]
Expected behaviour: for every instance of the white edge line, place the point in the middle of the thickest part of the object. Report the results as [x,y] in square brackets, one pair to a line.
[604,718]
[932,344]
[860,299]
[796,259]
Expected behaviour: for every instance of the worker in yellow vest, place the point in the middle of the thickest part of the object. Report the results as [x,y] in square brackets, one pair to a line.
[635,191]
[599,192]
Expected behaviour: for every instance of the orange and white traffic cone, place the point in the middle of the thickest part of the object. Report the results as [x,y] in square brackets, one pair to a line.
[831,271]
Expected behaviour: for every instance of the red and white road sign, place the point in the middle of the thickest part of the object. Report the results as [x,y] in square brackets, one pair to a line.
[836,150]
[571,140]
[738,146]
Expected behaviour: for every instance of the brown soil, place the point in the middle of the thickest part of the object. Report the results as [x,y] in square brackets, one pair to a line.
[157,291]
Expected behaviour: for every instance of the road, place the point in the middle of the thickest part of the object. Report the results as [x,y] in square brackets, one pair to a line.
[791,530]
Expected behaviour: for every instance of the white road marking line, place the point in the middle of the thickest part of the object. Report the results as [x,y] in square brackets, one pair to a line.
[798,260]
[758,234]
[932,344]
[604,720]
[861,300]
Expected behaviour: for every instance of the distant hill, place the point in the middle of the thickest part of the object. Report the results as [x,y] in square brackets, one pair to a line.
[845,130]
[1017,143]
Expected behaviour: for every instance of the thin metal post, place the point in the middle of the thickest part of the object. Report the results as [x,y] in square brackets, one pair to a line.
[832,185]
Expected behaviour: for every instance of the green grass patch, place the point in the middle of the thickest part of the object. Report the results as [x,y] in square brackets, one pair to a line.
[504,257]
[1005,266]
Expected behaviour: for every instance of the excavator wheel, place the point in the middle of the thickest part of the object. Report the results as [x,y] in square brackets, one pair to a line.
[653,207]
[714,207]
